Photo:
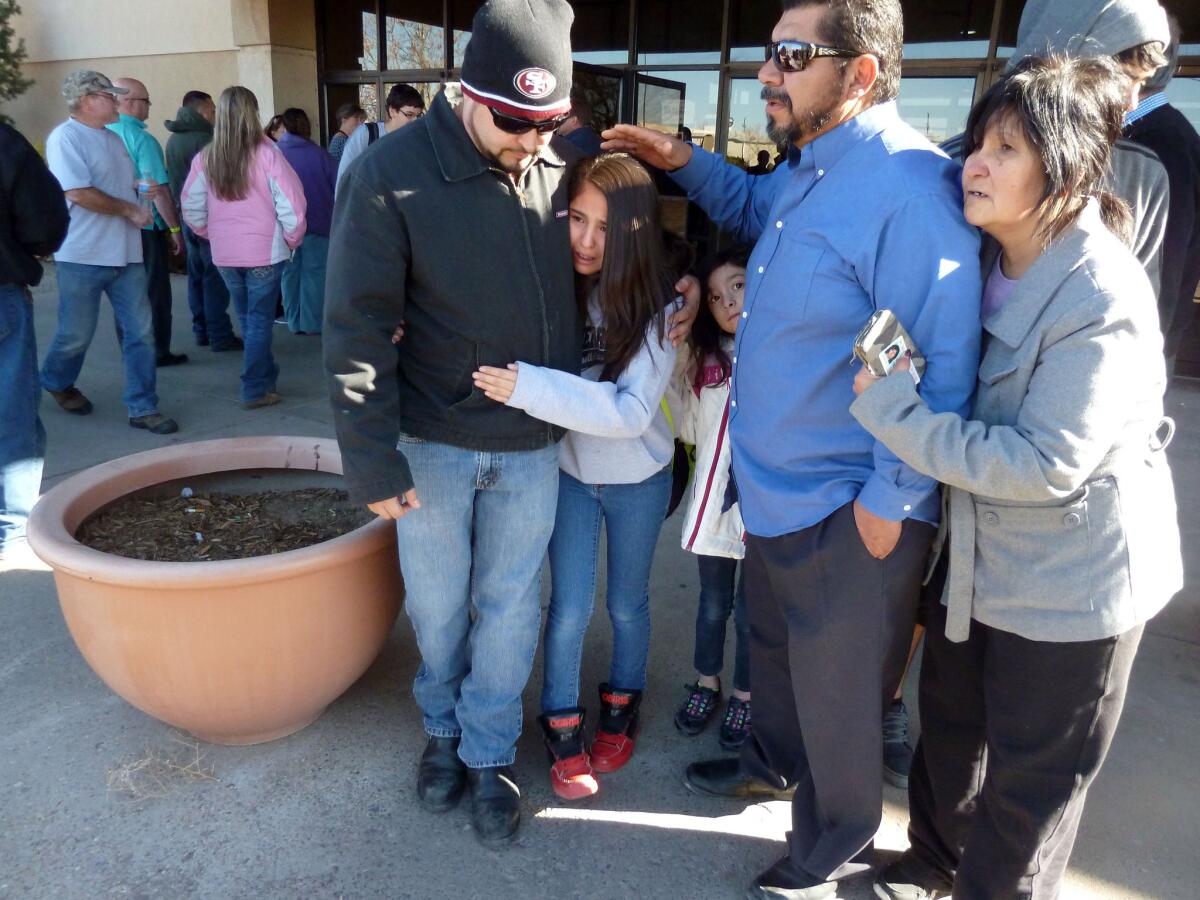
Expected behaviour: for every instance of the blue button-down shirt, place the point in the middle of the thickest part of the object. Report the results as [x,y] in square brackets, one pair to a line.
[867,217]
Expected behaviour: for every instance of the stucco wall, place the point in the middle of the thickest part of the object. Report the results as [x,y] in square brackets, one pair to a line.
[173,46]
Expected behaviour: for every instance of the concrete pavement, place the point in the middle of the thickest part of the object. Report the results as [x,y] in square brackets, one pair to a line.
[97,799]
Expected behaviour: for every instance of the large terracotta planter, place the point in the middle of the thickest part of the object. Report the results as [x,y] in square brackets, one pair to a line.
[234,651]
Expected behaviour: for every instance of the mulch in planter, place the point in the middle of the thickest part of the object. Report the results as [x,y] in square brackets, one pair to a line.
[214,525]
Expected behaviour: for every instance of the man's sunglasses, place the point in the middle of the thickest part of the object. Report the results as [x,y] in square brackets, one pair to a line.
[514,125]
[793,56]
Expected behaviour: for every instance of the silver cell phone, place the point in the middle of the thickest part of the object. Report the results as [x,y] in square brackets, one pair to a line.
[883,341]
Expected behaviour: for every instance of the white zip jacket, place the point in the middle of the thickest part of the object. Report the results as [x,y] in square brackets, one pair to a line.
[712,524]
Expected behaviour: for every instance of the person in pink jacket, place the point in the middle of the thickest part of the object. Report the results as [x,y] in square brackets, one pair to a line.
[242,196]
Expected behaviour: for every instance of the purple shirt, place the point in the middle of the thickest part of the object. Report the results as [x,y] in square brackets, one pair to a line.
[996,290]
[318,174]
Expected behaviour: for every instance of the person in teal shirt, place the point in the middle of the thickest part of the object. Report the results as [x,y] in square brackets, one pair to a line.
[147,155]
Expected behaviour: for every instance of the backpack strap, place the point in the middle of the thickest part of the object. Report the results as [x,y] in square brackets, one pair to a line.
[372,133]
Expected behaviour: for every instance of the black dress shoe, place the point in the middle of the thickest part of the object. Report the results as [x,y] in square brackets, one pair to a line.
[441,775]
[495,805]
[724,778]
[234,343]
[781,882]
[170,359]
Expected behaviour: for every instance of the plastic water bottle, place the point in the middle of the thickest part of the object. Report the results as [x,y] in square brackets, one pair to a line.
[144,185]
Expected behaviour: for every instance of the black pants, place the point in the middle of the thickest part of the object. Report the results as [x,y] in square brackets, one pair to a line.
[158,287]
[830,629]
[1012,733]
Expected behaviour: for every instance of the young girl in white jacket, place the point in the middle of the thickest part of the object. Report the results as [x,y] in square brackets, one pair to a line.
[712,527]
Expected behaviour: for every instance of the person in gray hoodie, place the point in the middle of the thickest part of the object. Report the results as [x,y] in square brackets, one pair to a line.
[1135,33]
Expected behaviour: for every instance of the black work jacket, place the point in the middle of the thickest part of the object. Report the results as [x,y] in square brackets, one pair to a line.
[33,210]
[426,231]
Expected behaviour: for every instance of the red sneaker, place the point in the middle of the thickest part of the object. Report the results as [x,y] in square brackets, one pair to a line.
[571,773]
[616,734]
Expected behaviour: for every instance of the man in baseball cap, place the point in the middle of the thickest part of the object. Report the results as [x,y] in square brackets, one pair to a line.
[101,255]
[457,225]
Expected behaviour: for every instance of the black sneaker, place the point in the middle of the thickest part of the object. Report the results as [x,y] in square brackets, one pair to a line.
[897,754]
[699,708]
[909,879]
[736,726]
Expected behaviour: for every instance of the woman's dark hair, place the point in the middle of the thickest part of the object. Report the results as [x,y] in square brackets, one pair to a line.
[635,283]
[705,339]
[273,125]
[296,121]
[1071,111]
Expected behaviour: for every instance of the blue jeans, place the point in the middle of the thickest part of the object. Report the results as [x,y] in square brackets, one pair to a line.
[633,515]
[22,439]
[718,597]
[208,298]
[304,285]
[253,292]
[79,290]
[476,546]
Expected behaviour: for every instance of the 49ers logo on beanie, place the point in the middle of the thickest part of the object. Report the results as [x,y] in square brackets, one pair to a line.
[518,60]
[535,83]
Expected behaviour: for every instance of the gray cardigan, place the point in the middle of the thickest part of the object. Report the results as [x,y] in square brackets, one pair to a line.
[1062,510]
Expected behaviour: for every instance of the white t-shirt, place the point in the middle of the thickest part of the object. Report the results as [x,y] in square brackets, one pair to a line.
[81,156]
[358,141]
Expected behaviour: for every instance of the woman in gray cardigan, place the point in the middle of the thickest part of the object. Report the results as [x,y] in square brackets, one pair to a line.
[1063,537]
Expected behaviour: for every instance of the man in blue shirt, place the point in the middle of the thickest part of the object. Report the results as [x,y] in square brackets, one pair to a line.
[865,214]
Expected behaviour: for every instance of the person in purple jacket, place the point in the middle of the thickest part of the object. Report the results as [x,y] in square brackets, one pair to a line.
[304,277]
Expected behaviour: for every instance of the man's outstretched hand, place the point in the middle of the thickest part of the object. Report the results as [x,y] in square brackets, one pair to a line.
[652,147]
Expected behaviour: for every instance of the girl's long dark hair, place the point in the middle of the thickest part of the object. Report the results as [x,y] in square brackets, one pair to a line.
[1072,111]
[635,283]
[705,339]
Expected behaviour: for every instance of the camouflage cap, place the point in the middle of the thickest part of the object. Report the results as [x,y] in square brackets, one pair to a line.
[82,82]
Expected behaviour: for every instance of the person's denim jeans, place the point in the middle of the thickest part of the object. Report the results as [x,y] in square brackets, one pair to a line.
[208,298]
[304,285]
[719,597]
[472,562]
[22,439]
[253,291]
[79,290]
[632,515]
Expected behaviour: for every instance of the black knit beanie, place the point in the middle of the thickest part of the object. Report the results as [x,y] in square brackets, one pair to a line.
[518,60]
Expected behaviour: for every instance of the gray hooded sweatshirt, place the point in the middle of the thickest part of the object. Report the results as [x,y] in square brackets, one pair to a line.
[1093,28]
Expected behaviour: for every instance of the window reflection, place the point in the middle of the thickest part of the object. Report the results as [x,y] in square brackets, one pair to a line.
[413,34]
[667,101]
[679,31]
[947,29]
[462,14]
[601,31]
[936,107]
[747,123]
[351,37]
[750,26]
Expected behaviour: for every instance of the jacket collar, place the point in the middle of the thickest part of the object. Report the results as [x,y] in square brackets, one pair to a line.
[287,139]
[452,146]
[1034,290]
[824,152]
[131,122]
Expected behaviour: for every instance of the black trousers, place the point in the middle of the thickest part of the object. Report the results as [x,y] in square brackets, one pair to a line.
[1013,732]
[830,629]
[158,287]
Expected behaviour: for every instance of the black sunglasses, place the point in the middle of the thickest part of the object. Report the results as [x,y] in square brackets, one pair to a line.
[514,125]
[793,56]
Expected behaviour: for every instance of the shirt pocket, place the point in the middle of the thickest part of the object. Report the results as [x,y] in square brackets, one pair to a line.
[788,278]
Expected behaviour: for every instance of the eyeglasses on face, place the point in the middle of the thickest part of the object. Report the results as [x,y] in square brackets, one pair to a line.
[410,113]
[513,125]
[793,56]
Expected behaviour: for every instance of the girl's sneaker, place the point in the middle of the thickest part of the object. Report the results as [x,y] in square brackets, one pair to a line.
[616,733]
[736,727]
[699,708]
[571,773]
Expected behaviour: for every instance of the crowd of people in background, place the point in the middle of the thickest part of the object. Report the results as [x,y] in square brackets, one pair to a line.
[518,355]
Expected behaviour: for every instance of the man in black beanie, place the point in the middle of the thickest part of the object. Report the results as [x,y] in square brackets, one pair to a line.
[457,225]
